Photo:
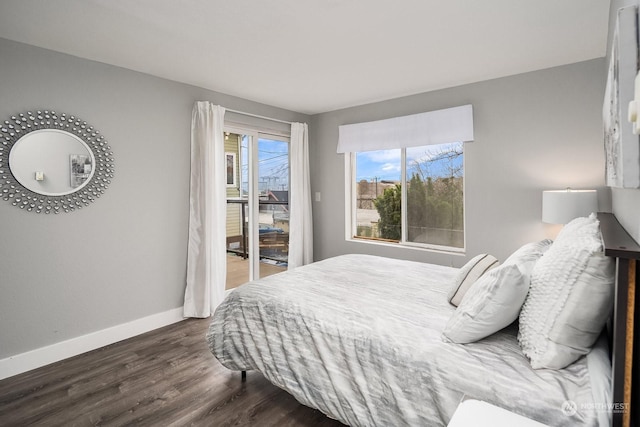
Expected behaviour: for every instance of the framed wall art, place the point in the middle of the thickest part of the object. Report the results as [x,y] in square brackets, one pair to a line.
[622,146]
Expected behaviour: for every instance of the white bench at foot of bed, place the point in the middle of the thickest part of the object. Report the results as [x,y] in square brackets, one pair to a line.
[482,414]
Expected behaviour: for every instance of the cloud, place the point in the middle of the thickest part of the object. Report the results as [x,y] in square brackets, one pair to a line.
[390,167]
[381,156]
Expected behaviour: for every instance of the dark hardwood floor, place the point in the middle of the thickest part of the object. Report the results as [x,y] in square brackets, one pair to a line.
[166,377]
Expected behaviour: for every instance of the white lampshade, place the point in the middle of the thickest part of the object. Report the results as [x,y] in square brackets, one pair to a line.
[561,206]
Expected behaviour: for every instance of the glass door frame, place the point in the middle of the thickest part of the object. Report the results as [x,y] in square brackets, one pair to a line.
[253,204]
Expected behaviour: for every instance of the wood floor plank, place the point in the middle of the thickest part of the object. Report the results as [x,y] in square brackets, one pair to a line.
[166,377]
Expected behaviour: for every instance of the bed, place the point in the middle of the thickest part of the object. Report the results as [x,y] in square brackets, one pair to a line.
[359,337]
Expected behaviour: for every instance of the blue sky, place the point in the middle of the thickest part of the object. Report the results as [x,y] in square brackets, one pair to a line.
[385,164]
[273,165]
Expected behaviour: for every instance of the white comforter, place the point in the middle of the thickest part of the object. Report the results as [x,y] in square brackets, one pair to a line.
[359,338]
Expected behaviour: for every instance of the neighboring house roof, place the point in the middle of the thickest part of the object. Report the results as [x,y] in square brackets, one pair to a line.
[279,195]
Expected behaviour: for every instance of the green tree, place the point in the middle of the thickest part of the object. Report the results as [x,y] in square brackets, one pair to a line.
[434,201]
[418,211]
[388,205]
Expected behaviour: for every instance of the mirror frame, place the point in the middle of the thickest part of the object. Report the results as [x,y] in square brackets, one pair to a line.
[12,191]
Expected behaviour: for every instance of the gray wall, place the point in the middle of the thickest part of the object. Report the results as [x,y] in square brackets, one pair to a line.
[534,131]
[123,257]
[626,202]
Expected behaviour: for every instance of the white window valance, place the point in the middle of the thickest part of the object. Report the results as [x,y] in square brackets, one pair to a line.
[433,127]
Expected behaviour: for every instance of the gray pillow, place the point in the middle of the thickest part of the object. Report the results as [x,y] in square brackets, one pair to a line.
[468,274]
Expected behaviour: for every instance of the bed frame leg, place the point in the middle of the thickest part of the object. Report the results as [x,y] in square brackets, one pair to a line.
[244,376]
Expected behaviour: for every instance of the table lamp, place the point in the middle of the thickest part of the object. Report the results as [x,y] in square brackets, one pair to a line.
[561,206]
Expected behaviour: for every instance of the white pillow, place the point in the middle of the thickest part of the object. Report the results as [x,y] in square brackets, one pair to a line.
[581,225]
[527,255]
[492,303]
[570,297]
[468,274]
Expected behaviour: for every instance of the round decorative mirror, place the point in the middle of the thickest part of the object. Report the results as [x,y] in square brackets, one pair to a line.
[52,162]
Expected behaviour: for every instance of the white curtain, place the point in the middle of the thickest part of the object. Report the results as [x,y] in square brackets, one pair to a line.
[433,127]
[206,256]
[300,218]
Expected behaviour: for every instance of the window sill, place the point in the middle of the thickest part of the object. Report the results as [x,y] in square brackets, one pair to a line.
[410,246]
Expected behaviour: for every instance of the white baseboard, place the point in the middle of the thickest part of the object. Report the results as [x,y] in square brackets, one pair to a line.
[23,362]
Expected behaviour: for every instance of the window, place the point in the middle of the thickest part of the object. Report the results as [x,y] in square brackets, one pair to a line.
[411,196]
[405,178]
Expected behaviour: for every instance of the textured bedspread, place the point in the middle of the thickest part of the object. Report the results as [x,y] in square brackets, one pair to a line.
[359,338]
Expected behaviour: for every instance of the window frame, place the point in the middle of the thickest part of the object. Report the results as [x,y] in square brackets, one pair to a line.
[351,209]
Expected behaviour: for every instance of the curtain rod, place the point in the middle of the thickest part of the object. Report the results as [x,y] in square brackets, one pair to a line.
[257,116]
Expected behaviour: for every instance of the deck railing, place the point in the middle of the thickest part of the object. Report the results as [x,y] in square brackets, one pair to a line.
[273,245]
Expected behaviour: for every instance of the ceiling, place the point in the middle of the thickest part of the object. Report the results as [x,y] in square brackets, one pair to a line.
[316,56]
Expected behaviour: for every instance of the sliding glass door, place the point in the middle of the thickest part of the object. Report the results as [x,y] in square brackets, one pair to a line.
[257,204]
